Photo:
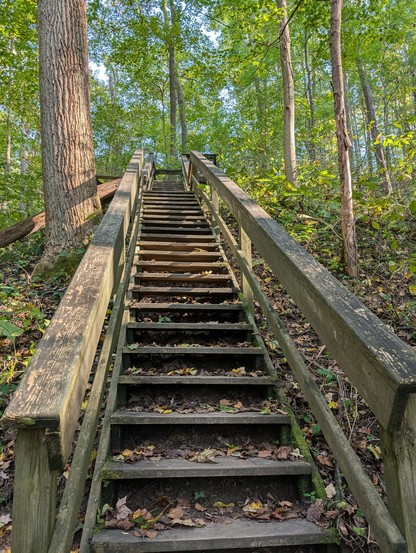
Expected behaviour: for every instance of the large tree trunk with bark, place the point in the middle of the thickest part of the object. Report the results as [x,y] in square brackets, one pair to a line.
[69,179]
[374,132]
[344,143]
[169,22]
[289,145]
[311,103]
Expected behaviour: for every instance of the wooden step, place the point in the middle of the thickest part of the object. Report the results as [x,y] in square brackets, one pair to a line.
[197,380]
[160,237]
[179,307]
[196,327]
[178,255]
[182,292]
[205,230]
[200,350]
[153,245]
[182,277]
[169,217]
[182,266]
[240,534]
[186,419]
[222,467]
[173,223]
[169,211]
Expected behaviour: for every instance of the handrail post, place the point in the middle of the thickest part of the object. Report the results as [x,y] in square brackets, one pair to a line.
[399,458]
[34,495]
[246,252]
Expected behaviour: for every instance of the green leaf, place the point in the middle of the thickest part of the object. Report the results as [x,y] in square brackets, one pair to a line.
[359,531]
[375,225]
[27,421]
[412,288]
[9,330]
[412,206]
[394,245]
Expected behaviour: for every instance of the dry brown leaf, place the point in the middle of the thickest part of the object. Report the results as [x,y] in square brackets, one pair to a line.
[183,522]
[199,507]
[324,460]
[176,512]
[283,452]
[315,511]
[264,454]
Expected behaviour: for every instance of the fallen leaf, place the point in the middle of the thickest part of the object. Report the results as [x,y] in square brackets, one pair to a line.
[221,505]
[123,511]
[176,512]
[145,534]
[183,522]
[264,454]
[324,460]
[283,452]
[199,507]
[315,511]
[330,491]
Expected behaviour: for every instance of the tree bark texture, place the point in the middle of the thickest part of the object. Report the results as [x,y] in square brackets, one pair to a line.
[169,14]
[7,161]
[182,112]
[344,143]
[289,145]
[309,94]
[374,132]
[69,180]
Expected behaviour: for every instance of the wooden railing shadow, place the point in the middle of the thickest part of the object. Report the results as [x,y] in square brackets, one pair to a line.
[378,363]
[46,407]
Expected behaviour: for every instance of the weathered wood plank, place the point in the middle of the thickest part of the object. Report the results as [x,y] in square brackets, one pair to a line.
[167,255]
[182,266]
[383,368]
[223,467]
[382,524]
[215,327]
[34,495]
[204,380]
[162,350]
[53,387]
[133,418]
[182,277]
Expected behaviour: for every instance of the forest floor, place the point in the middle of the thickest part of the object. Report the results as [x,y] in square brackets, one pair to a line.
[27,305]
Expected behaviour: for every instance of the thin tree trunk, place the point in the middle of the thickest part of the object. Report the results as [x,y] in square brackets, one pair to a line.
[69,177]
[372,124]
[344,143]
[182,113]
[289,145]
[169,21]
[309,95]
[7,160]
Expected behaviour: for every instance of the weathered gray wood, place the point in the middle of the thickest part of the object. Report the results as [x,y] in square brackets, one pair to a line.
[223,466]
[246,251]
[163,307]
[53,387]
[67,517]
[182,222]
[148,172]
[204,380]
[216,327]
[182,266]
[381,522]
[383,368]
[133,418]
[175,230]
[399,458]
[178,238]
[172,218]
[163,350]
[179,256]
[150,245]
[239,534]
[34,495]
[183,292]
[182,277]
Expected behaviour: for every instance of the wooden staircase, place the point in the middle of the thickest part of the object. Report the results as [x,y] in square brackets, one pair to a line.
[197,440]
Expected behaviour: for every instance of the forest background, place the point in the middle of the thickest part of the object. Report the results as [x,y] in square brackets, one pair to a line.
[228,96]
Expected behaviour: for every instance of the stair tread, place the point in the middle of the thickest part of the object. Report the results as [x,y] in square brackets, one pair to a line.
[198,380]
[183,292]
[238,534]
[185,306]
[181,238]
[200,350]
[180,254]
[153,418]
[182,277]
[190,326]
[222,466]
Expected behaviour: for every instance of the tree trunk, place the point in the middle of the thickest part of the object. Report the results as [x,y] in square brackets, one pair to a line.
[309,95]
[169,21]
[372,124]
[182,113]
[7,161]
[344,143]
[289,145]
[69,178]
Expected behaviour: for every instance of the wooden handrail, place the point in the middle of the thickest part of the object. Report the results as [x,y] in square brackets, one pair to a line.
[148,172]
[52,390]
[379,364]
[366,349]
[45,408]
